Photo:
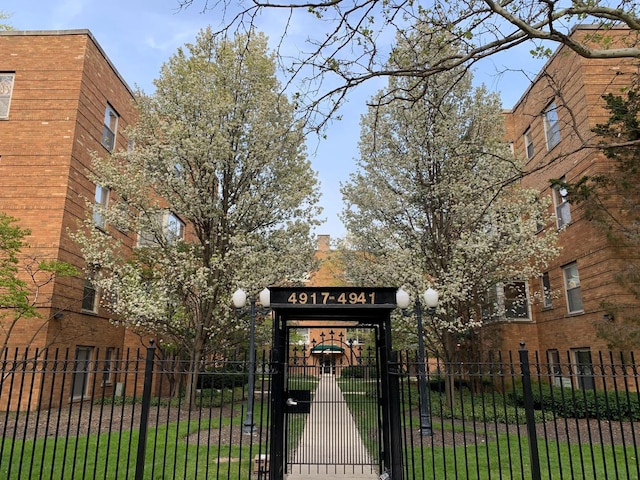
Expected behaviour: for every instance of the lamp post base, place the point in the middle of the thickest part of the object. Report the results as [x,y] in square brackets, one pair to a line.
[426,431]
[248,429]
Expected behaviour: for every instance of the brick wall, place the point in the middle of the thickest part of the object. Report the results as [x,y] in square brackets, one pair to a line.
[576,85]
[63,82]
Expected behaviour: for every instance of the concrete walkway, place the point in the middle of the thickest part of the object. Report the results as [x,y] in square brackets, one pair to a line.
[330,447]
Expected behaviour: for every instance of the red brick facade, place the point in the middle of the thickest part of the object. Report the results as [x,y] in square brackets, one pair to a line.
[576,85]
[62,85]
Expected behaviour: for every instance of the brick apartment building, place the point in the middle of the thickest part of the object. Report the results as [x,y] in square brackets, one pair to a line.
[548,125]
[329,346]
[60,100]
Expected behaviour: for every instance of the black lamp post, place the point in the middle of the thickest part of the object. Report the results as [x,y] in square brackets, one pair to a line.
[431,301]
[240,301]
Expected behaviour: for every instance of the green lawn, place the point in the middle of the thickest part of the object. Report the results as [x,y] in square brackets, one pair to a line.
[506,457]
[492,456]
[169,454]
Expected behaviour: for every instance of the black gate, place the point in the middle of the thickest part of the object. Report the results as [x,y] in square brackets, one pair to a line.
[333,417]
[333,408]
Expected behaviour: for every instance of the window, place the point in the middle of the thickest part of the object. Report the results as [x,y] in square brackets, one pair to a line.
[173,229]
[99,205]
[584,369]
[516,304]
[80,378]
[572,288]
[507,301]
[546,291]
[551,126]
[6,89]
[555,369]
[109,129]
[562,205]
[528,142]
[107,371]
[89,297]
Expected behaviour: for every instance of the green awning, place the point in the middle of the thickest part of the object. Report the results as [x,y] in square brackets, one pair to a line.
[327,349]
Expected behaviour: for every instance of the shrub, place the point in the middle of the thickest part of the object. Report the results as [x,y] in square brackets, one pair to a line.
[573,403]
[227,376]
[359,371]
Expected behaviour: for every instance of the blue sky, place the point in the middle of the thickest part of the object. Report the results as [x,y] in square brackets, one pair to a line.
[140,35]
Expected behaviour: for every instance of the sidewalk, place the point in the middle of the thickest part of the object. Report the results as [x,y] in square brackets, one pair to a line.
[330,447]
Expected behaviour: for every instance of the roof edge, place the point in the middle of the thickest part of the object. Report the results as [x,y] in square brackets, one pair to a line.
[78,31]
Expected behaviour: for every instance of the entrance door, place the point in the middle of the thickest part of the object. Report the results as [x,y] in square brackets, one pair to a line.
[324,422]
[333,417]
[80,378]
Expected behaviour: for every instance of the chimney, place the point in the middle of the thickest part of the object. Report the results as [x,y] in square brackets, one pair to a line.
[324,243]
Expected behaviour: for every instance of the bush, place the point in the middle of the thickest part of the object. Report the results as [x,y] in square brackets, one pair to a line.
[572,403]
[227,376]
[359,371]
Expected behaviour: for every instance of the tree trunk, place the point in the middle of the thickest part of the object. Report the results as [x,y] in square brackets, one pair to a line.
[194,371]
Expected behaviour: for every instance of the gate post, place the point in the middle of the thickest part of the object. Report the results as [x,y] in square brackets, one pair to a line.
[144,414]
[393,408]
[528,410]
[277,368]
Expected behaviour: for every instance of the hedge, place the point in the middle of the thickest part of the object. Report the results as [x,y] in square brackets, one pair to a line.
[574,403]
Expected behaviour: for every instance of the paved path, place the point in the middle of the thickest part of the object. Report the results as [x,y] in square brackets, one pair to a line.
[330,447]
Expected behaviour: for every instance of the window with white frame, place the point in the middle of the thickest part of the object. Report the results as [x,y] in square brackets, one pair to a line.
[572,288]
[562,205]
[173,228]
[89,296]
[528,142]
[169,224]
[507,301]
[109,128]
[551,125]
[547,301]
[555,368]
[6,91]
[101,202]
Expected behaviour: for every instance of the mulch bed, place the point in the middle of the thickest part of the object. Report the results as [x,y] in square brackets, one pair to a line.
[575,431]
[90,419]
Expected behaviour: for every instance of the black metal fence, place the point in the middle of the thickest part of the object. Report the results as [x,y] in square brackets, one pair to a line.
[124,415]
[519,417]
[108,414]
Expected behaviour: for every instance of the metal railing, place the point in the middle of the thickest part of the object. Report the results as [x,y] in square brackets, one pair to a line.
[514,416]
[126,414]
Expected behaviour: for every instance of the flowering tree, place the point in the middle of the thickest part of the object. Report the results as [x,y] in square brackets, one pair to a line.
[4,26]
[435,201]
[217,192]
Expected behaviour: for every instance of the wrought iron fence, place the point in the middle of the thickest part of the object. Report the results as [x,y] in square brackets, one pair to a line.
[124,415]
[128,414]
[519,417]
